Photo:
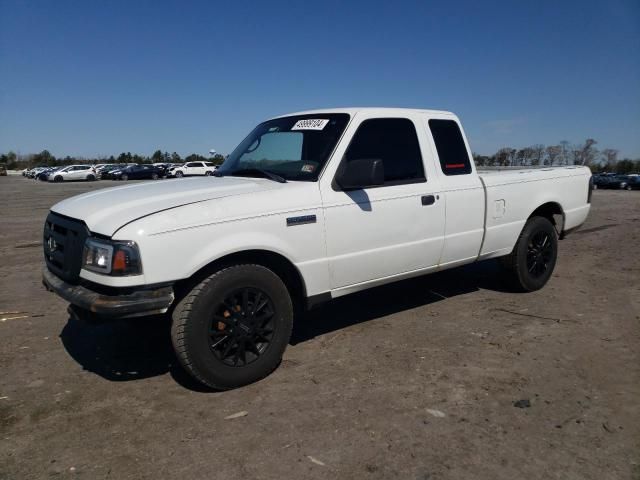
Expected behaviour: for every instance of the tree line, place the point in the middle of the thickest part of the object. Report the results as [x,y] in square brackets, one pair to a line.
[563,153]
[14,161]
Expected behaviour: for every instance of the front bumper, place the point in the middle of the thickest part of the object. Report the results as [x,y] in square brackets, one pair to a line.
[88,303]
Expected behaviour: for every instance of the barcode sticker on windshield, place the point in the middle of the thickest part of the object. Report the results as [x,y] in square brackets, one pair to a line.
[310,124]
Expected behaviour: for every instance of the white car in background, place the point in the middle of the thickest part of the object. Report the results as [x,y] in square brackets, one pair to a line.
[73,172]
[193,168]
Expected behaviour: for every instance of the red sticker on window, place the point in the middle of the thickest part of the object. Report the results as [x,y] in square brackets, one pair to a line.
[454,165]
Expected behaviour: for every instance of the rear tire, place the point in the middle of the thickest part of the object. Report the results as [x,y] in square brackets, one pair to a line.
[233,327]
[534,257]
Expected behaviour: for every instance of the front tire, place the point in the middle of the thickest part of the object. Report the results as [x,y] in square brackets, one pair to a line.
[179,174]
[534,257]
[124,177]
[154,176]
[233,327]
[57,179]
[91,178]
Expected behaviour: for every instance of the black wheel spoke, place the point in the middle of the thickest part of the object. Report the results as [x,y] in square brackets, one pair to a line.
[262,319]
[539,253]
[240,353]
[256,304]
[242,326]
[214,332]
[251,346]
[227,349]
[219,341]
[245,301]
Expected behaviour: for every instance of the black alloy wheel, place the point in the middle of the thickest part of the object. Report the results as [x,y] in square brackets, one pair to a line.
[242,327]
[539,253]
[531,263]
[232,328]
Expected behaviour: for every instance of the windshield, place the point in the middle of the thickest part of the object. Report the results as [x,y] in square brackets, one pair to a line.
[295,148]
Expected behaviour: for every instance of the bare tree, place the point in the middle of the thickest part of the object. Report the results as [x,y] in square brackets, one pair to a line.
[610,156]
[586,154]
[537,154]
[565,152]
[481,160]
[505,156]
[525,156]
[554,153]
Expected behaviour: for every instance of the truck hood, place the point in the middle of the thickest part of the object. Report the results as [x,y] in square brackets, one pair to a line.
[105,211]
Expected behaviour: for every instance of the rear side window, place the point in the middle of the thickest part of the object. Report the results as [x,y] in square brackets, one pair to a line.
[452,152]
[395,142]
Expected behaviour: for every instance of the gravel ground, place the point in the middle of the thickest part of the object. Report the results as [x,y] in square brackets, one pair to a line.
[414,380]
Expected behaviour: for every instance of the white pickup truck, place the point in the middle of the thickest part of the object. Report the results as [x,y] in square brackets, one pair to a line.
[309,207]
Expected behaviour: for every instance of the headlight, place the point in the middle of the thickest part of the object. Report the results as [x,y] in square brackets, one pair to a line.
[111,258]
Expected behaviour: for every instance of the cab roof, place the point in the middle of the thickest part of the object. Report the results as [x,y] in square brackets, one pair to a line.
[387,111]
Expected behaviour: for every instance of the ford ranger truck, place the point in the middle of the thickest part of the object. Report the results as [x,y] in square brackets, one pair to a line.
[309,207]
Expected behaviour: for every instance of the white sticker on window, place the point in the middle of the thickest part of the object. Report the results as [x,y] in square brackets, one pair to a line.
[310,124]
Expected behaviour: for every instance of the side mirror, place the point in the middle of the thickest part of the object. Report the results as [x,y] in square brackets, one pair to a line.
[361,173]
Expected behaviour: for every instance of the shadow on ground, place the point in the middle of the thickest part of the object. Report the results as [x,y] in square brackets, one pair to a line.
[141,348]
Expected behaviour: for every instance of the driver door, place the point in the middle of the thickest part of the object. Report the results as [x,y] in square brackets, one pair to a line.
[381,232]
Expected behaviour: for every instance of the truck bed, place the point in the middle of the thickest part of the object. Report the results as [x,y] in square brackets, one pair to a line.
[551,187]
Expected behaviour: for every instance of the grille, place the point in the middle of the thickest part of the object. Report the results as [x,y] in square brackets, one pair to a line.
[63,242]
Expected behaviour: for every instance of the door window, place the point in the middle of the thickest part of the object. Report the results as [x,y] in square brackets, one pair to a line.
[395,142]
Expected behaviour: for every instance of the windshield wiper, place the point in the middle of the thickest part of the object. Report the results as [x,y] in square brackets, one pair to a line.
[248,172]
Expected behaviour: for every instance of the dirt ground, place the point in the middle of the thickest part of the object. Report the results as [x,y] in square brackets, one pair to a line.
[415,380]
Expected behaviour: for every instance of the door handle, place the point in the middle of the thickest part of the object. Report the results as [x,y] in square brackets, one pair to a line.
[428,200]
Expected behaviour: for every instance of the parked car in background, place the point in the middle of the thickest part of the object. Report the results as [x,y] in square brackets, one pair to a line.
[73,172]
[43,176]
[105,171]
[3,170]
[164,167]
[633,182]
[192,169]
[616,182]
[35,171]
[138,172]
[598,180]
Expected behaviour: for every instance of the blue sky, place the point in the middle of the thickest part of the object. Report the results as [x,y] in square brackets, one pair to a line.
[100,77]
